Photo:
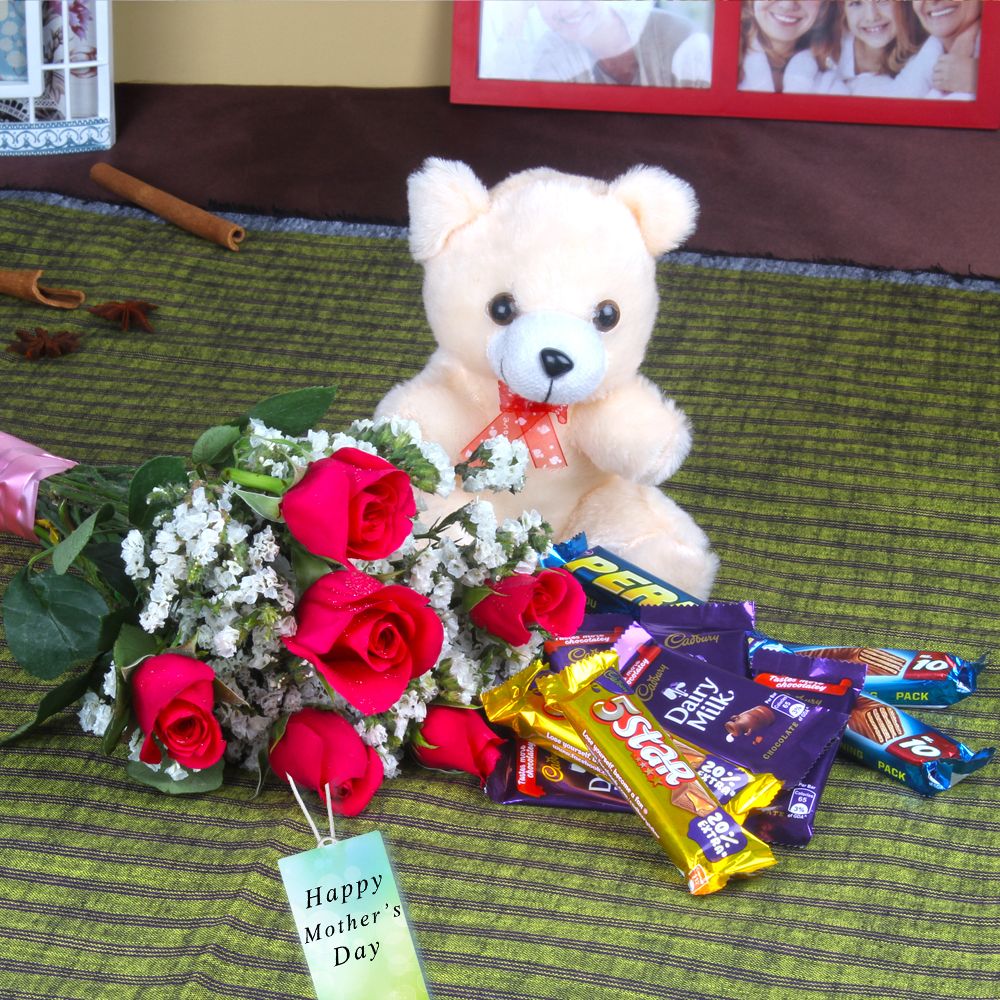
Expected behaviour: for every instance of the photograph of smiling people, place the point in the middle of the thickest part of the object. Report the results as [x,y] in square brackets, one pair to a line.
[790,46]
[926,49]
[643,43]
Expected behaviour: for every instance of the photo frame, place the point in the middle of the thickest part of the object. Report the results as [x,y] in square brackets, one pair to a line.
[71,109]
[20,49]
[480,76]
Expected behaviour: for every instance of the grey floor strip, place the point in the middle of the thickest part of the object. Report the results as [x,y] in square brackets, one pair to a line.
[267,223]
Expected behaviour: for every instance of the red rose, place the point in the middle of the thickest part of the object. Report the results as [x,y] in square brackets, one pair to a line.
[458,740]
[367,640]
[319,748]
[553,599]
[351,505]
[173,700]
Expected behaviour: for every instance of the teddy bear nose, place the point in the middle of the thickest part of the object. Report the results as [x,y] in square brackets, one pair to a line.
[555,362]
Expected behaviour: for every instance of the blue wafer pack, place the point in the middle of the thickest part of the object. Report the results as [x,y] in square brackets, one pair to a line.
[905,677]
[907,750]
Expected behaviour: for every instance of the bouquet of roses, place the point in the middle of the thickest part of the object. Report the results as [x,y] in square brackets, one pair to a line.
[280,597]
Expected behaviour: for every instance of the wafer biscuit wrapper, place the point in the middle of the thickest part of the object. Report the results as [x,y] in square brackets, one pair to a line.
[907,750]
[706,845]
[908,678]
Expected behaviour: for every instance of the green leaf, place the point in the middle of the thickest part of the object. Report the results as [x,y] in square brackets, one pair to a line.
[133,645]
[262,768]
[267,507]
[52,622]
[309,568]
[296,412]
[55,700]
[162,471]
[474,596]
[278,730]
[215,445]
[223,692]
[119,715]
[195,782]
[419,741]
[107,557]
[71,546]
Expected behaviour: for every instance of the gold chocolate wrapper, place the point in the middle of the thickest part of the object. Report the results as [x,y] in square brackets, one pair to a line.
[518,704]
[707,846]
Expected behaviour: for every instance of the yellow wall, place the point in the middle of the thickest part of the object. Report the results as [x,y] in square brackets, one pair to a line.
[359,43]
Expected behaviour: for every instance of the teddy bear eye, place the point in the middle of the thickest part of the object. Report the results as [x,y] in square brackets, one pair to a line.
[606,315]
[502,309]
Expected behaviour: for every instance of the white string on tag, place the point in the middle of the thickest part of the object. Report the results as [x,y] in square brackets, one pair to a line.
[321,841]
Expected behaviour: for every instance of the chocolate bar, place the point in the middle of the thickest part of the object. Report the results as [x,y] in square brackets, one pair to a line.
[610,582]
[527,774]
[705,844]
[729,715]
[831,683]
[898,676]
[903,748]
[715,631]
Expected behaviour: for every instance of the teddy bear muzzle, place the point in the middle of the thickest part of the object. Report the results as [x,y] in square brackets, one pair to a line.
[548,357]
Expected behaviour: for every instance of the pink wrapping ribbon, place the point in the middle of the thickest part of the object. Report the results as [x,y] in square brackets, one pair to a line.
[22,468]
[524,418]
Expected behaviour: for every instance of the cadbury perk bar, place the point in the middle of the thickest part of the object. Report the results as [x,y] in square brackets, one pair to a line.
[707,846]
[834,684]
[900,746]
[898,676]
[610,582]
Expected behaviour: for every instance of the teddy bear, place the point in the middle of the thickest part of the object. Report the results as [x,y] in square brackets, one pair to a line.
[541,295]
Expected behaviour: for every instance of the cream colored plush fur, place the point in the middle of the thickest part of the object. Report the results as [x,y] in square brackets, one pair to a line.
[559,245]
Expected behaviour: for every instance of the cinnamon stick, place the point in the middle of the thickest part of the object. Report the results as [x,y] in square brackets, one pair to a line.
[181,213]
[23,284]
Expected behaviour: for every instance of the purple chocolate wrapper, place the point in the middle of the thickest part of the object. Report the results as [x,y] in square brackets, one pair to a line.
[715,631]
[527,774]
[833,684]
[731,715]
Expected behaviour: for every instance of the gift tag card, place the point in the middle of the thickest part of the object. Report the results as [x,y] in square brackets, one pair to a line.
[352,922]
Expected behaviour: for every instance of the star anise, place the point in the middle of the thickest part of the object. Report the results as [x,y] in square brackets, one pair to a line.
[131,312]
[42,344]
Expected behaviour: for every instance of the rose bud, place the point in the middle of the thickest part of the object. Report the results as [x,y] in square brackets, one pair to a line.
[553,599]
[457,739]
[352,505]
[367,640]
[173,699]
[319,748]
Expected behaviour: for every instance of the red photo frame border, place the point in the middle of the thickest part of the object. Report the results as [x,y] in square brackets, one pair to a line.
[722,99]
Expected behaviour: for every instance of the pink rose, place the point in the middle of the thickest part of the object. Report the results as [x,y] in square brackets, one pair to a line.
[552,599]
[319,748]
[367,640]
[351,505]
[173,700]
[459,740]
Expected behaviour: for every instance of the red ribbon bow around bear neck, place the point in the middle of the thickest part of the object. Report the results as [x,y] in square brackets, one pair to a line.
[524,418]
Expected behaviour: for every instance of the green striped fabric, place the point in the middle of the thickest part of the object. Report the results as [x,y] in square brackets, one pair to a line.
[845,465]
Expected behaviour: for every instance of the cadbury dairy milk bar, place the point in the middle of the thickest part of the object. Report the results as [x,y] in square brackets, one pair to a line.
[527,774]
[833,684]
[715,631]
[727,714]
[904,677]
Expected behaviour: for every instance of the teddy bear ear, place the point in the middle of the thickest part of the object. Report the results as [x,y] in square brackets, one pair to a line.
[664,206]
[443,196]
